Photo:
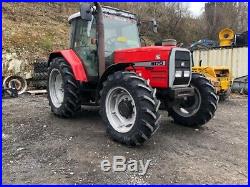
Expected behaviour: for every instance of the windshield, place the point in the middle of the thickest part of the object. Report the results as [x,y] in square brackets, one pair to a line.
[120,33]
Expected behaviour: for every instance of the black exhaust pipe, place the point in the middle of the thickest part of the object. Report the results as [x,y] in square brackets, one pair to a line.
[100,35]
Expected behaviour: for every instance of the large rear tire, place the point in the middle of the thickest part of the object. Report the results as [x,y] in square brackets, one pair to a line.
[129,108]
[198,109]
[40,66]
[63,89]
[40,76]
[41,84]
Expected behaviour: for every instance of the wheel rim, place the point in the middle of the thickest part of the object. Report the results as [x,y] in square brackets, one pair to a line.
[20,83]
[120,109]
[56,88]
[17,82]
[190,105]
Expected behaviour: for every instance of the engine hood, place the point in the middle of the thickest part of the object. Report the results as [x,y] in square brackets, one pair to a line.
[143,54]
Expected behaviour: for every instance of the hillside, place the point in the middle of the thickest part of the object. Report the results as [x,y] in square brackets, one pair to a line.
[32,30]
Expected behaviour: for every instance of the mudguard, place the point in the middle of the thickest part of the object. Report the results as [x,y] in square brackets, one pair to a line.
[110,70]
[74,61]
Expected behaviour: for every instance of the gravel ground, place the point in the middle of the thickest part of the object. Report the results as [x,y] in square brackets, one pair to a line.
[38,147]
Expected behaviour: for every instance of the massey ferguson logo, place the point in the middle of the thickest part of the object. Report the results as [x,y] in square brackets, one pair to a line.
[157,57]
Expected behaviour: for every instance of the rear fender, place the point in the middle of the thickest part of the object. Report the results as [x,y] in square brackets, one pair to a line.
[74,61]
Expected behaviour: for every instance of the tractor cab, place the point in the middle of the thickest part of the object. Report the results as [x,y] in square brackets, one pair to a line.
[120,32]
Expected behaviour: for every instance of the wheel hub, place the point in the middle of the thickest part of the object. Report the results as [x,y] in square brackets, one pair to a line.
[125,108]
[17,83]
[189,106]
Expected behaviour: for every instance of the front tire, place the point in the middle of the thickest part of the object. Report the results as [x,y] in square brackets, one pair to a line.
[63,89]
[129,108]
[198,109]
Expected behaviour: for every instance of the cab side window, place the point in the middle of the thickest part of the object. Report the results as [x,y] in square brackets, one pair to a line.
[85,32]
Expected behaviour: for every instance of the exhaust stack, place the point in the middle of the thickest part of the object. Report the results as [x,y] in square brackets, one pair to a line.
[100,33]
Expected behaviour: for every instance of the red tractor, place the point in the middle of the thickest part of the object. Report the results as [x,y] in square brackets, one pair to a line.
[106,66]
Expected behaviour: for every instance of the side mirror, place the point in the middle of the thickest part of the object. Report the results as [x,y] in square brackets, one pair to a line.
[86,11]
[154,26]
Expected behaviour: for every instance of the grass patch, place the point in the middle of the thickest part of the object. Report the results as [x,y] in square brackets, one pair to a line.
[46,44]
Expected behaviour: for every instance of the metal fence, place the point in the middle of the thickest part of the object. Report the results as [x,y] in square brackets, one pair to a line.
[235,58]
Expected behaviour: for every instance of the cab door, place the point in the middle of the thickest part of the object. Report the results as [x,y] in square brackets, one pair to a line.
[83,42]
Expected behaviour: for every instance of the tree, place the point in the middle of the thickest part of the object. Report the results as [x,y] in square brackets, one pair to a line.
[222,15]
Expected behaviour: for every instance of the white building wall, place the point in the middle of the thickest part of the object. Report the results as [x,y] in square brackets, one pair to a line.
[235,58]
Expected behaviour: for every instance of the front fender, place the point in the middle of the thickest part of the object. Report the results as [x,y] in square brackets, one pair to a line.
[110,70]
[74,61]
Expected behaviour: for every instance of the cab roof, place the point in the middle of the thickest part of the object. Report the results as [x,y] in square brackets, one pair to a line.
[109,11]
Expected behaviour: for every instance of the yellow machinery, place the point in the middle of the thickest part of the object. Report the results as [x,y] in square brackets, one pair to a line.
[219,76]
[226,37]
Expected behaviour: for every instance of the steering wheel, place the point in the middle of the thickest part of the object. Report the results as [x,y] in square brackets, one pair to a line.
[110,44]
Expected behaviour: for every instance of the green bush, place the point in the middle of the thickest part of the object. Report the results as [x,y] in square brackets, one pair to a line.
[46,44]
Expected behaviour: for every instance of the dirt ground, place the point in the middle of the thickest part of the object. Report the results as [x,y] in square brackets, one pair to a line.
[38,147]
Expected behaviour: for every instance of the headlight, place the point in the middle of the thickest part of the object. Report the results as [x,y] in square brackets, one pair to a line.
[186,73]
[178,73]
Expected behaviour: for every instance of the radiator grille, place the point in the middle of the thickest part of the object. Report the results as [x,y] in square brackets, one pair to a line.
[182,68]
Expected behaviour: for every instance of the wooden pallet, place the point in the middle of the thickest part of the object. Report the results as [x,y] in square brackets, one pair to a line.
[37,92]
